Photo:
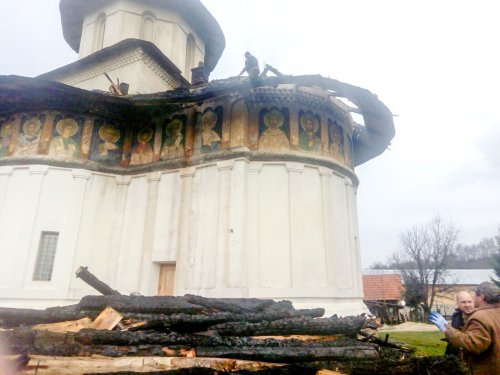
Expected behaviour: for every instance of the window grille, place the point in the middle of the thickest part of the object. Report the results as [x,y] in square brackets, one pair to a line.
[46,255]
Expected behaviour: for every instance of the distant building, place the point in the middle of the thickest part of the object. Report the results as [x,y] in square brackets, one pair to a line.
[380,286]
[383,295]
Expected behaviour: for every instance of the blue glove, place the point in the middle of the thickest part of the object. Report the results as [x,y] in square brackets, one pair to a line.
[437,319]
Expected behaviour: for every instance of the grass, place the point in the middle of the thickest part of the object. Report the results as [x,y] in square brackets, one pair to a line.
[426,343]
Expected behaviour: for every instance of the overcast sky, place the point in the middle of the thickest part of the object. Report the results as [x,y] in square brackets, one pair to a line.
[435,64]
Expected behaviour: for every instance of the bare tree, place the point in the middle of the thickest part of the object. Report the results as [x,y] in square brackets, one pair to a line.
[422,260]
[496,260]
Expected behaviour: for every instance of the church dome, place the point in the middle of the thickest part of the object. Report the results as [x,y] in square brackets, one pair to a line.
[73,13]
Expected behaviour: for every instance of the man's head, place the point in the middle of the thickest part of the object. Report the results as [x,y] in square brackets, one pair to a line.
[486,293]
[465,302]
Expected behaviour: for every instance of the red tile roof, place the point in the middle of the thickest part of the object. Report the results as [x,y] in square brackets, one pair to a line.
[382,287]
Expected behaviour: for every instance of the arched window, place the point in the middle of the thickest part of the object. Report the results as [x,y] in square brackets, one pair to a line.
[190,44]
[100,28]
[148,27]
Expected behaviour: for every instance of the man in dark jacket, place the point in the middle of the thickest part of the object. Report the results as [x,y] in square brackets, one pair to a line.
[465,306]
[480,339]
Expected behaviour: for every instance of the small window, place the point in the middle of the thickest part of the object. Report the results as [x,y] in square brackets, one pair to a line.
[190,46]
[148,27]
[46,255]
[100,29]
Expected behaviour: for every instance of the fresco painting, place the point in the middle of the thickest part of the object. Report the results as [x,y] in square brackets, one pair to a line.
[27,143]
[337,139]
[309,139]
[107,143]
[210,129]
[273,138]
[64,144]
[173,147]
[7,138]
[82,137]
[142,151]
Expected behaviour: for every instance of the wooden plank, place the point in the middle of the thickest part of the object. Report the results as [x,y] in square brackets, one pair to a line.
[69,326]
[43,365]
[108,319]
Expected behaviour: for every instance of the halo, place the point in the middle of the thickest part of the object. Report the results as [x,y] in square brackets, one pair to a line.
[274,112]
[109,132]
[308,116]
[173,125]
[211,116]
[6,126]
[148,131]
[67,122]
[32,120]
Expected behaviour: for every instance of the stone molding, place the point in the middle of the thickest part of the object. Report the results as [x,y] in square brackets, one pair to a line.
[137,54]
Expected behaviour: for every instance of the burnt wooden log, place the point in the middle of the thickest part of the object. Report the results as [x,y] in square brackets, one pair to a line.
[140,304]
[289,354]
[386,343]
[103,288]
[195,323]
[293,326]
[95,337]
[235,305]
[10,317]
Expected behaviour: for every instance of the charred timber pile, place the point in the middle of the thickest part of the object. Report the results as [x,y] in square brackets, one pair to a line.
[256,336]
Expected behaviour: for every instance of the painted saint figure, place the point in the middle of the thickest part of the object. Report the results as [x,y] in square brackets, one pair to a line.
[308,138]
[273,138]
[63,145]
[142,153]
[29,139]
[108,149]
[7,144]
[173,146]
[210,140]
[337,145]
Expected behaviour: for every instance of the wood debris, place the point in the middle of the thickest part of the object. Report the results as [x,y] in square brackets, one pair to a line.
[192,334]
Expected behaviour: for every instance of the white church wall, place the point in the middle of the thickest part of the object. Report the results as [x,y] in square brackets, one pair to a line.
[232,228]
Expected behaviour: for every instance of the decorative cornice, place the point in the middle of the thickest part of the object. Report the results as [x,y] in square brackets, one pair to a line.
[295,167]
[81,174]
[38,169]
[225,165]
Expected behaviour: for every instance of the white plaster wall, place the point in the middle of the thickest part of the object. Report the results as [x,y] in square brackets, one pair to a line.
[233,228]
[134,67]
[124,20]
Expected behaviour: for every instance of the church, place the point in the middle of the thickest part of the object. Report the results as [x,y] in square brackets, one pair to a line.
[132,162]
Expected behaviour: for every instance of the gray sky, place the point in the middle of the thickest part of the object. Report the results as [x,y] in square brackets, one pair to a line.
[433,63]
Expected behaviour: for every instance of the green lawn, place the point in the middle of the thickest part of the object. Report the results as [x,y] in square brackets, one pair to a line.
[426,343]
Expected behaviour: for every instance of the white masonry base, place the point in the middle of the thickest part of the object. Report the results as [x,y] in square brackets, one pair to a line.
[234,228]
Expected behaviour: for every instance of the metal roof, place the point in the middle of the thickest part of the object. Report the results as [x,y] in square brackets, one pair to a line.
[457,277]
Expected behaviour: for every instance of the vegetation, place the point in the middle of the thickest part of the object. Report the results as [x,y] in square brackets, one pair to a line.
[426,343]
[423,259]
[482,255]
[496,260]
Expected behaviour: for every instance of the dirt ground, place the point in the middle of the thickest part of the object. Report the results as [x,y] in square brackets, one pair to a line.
[409,327]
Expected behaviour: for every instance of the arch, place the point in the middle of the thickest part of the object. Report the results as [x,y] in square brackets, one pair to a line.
[100,29]
[190,46]
[148,26]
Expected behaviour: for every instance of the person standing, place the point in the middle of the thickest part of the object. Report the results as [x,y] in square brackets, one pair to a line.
[480,339]
[465,307]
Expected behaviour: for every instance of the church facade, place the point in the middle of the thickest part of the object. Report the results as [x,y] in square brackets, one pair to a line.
[231,188]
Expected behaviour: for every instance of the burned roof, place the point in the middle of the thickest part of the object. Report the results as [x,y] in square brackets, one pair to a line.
[369,140]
